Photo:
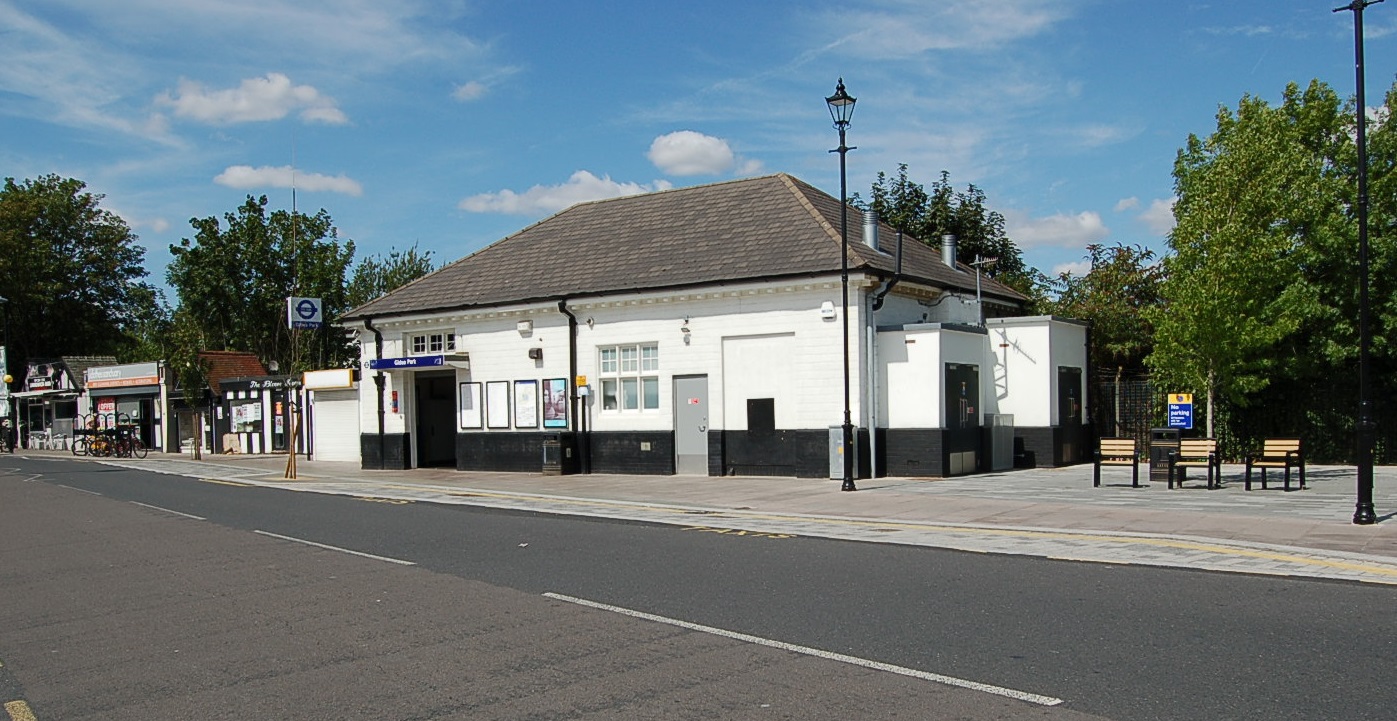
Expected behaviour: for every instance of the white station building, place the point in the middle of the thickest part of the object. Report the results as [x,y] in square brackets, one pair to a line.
[698,331]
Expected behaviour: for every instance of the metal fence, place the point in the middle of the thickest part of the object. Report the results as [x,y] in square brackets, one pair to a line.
[1124,407]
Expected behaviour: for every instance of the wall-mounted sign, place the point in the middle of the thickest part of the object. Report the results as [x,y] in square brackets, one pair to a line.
[329,379]
[123,376]
[417,361]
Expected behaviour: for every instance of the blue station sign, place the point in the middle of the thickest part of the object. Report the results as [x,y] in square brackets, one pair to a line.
[417,361]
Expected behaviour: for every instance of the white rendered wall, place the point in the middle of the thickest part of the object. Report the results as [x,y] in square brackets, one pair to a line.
[1028,352]
[729,341]
[912,382]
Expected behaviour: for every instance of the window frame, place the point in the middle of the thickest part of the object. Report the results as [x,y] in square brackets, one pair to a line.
[629,377]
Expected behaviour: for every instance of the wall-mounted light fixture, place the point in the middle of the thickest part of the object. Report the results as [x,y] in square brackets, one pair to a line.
[591,321]
[536,354]
[684,328]
[524,327]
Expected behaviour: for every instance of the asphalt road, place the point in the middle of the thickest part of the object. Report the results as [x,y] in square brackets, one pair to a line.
[109,609]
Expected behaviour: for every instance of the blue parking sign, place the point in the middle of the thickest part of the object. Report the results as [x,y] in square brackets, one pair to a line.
[1181,410]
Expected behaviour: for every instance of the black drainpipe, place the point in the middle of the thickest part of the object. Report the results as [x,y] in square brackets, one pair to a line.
[378,381]
[897,276]
[578,407]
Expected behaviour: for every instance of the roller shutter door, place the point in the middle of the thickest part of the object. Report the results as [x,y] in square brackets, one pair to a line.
[336,425]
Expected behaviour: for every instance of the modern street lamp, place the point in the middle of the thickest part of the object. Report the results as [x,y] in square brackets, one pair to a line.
[841,108]
[979,304]
[1366,430]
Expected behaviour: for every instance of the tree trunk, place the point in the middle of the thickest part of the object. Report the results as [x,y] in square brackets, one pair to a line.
[1212,395]
[1119,371]
[198,435]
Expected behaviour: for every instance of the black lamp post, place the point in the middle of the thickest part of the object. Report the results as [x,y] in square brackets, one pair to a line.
[841,108]
[1363,514]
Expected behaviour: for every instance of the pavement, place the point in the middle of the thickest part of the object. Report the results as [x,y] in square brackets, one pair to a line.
[1046,512]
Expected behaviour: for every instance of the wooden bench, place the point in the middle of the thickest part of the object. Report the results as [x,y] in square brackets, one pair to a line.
[1284,453]
[1116,452]
[1196,453]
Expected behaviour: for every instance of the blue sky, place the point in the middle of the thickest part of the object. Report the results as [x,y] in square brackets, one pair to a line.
[453,123]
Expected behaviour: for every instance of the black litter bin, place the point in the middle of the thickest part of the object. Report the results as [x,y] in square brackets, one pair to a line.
[1163,441]
[558,456]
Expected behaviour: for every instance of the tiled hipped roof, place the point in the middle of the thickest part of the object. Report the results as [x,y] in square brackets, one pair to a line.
[225,364]
[753,229]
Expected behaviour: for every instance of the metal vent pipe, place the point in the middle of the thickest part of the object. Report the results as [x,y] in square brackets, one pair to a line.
[870,228]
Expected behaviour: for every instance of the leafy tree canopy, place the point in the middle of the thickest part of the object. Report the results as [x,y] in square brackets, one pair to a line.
[376,275]
[233,279]
[927,215]
[1258,223]
[1117,296]
[71,273]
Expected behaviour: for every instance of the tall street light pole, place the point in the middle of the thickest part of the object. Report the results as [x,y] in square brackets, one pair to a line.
[1363,513]
[841,108]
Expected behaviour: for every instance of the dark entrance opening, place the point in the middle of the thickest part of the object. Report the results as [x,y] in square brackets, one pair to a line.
[436,419]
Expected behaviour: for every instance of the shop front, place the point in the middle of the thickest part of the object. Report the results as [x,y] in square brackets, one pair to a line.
[261,415]
[134,395]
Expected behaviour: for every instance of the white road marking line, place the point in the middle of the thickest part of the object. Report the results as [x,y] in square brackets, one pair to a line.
[166,510]
[806,650]
[80,490]
[336,548]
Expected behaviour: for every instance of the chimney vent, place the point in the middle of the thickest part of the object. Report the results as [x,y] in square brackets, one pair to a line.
[870,228]
[948,249]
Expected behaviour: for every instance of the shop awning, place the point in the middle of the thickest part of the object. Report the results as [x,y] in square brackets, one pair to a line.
[60,394]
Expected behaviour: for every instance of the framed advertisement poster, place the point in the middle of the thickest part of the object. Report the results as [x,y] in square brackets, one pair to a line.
[497,404]
[526,404]
[555,403]
[470,406]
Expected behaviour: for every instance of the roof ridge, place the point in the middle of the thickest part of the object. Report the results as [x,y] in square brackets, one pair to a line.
[794,186]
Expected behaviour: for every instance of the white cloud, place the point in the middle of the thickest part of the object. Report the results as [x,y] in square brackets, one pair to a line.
[1060,230]
[471,90]
[1127,204]
[907,28]
[1077,268]
[581,187]
[244,177]
[686,152]
[1159,217]
[257,99]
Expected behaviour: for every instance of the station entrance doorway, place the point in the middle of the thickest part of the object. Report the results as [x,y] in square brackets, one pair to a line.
[435,403]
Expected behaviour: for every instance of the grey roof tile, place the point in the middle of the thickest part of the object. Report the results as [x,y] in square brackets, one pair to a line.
[752,229]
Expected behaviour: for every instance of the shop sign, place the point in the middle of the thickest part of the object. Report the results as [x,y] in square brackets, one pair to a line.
[273,384]
[333,378]
[124,376]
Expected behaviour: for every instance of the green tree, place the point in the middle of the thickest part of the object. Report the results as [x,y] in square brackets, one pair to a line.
[1257,201]
[234,277]
[1117,296]
[928,215]
[71,273]
[376,275]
